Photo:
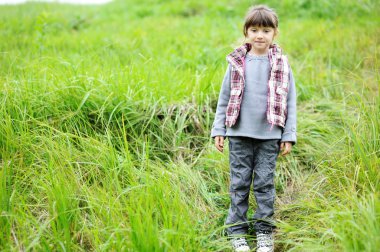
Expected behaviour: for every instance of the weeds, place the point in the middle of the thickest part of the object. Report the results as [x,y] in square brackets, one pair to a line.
[106,113]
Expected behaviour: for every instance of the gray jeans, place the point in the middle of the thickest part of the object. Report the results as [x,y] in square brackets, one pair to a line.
[248,157]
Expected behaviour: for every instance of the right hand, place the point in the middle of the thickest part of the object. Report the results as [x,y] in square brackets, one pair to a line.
[219,143]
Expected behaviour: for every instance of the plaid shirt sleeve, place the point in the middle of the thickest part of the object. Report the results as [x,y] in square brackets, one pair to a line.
[218,127]
[290,131]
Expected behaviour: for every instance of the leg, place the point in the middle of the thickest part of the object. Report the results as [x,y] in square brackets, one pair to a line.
[265,156]
[241,156]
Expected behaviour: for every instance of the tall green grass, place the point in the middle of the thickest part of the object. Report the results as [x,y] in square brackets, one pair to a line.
[106,113]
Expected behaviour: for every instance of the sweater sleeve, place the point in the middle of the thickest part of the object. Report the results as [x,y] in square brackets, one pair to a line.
[218,127]
[290,131]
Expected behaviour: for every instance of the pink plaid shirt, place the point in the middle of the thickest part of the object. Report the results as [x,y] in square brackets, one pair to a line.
[278,85]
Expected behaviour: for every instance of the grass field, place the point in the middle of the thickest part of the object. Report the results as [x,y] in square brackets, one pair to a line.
[106,114]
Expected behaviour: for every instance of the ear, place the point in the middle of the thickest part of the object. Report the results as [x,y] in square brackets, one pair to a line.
[276,32]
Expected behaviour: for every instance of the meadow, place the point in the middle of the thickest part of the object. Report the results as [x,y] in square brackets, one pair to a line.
[106,114]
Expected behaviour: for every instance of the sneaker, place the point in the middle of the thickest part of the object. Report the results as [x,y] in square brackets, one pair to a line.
[240,245]
[265,242]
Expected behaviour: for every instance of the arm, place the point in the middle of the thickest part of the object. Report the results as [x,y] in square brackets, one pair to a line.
[218,131]
[218,127]
[289,135]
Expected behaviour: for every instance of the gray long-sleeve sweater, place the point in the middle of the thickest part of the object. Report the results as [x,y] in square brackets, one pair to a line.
[252,121]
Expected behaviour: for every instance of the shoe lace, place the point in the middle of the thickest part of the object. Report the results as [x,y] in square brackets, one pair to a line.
[240,242]
[264,240]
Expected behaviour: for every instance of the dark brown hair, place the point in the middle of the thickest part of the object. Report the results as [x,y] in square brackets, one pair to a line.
[262,16]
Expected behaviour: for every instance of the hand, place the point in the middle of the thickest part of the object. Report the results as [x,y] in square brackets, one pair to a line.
[286,147]
[219,143]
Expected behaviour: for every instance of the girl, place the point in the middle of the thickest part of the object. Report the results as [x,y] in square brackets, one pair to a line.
[257,112]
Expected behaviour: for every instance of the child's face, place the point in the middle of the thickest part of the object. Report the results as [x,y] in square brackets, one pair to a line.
[260,38]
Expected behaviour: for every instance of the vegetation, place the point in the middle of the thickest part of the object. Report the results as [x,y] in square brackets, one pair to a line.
[106,114]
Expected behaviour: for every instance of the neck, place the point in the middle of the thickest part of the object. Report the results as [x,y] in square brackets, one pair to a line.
[258,53]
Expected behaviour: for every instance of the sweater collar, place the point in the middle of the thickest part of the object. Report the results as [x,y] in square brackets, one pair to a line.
[236,58]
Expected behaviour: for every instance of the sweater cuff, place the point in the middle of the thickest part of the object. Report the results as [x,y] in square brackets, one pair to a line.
[289,137]
[218,132]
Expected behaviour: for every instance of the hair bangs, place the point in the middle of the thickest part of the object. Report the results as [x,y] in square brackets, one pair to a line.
[261,19]
[261,16]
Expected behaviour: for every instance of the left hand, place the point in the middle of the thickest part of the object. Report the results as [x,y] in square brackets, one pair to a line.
[285,147]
